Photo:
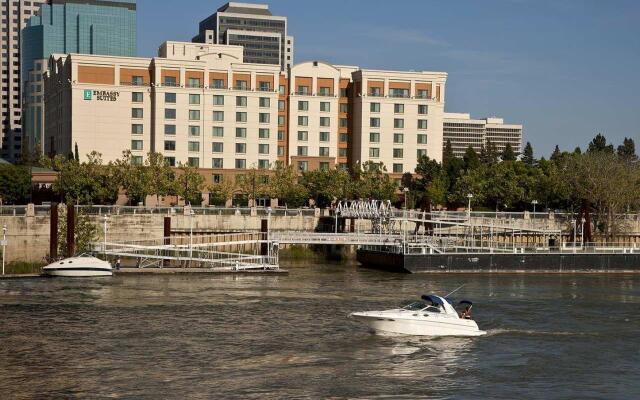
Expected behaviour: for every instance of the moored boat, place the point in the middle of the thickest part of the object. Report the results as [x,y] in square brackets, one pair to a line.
[79,267]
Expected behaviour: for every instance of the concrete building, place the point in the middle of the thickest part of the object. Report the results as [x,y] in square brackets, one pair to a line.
[262,35]
[14,15]
[62,26]
[463,131]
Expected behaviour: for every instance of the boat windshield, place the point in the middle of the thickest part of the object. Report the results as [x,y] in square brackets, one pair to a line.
[415,306]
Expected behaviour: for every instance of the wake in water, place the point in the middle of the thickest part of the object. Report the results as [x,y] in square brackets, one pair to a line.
[531,332]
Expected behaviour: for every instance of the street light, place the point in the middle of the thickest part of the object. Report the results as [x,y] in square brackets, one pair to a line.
[4,245]
[269,210]
[469,196]
[191,214]
[582,232]
[106,217]
[573,222]
[535,203]
[406,215]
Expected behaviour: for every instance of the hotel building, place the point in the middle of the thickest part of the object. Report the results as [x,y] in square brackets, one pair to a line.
[202,104]
[463,132]
[14,15]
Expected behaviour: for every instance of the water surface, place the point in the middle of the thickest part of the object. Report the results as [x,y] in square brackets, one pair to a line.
[259,337]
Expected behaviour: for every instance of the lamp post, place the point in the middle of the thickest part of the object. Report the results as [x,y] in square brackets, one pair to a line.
[105,236]
[535,203]
[469,196]
[4,246]
[582,232]
[573,223]
[191,214]
[269,210]
[406,213]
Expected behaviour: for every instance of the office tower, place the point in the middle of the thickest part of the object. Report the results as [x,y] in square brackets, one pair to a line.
[252,26]
[463,132]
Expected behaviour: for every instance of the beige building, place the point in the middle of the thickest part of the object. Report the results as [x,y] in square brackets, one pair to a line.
[14,15]
[463,132]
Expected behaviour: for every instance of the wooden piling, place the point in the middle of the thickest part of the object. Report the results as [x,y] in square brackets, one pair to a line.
[71,230]
[53,232]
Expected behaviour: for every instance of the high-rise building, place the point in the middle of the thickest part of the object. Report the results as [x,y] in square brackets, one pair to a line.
[68,26]
[463,132]
[252,26]
[15,15]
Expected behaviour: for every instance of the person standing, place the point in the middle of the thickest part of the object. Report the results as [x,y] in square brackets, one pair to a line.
[118,264]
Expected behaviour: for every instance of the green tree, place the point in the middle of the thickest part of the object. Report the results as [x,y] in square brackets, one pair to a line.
[508,154]
[132,178]
[220,192]
[254,183]
[627,150]
[161,176]
[15,184]
[599,143]
[189,184]
[556,154]
[471,159]
[327,186]
[284,186]
[527,155]
[371,181]
[85,232]
[489,153]
[76,154]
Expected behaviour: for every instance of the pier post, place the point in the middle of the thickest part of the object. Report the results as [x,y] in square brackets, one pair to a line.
[71,230]
[264,229]
[53,232]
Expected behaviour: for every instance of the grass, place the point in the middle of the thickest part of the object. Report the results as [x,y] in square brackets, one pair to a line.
[22,267]
[297,253]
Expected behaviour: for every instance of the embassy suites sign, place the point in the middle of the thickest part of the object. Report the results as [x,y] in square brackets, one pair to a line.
[101,95]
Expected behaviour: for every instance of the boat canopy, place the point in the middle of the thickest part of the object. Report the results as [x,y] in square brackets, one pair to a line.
[440,301]
[465,302]
[433,299]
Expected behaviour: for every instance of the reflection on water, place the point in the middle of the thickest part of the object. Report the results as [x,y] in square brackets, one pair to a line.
[289,336]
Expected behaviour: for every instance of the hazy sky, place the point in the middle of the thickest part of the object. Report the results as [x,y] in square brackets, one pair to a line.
[566,69]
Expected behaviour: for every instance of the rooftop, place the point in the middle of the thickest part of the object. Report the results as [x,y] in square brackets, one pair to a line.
[245,8]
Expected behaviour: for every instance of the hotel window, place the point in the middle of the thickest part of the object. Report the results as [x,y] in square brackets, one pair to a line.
[303,136]
[194,115]
[137,80]
[194,99]
[303,121]
[170,98]
[263,149]
[374,122]
[137,97]
[263,133]
[193,146]
[281,105]
[193,162]
[398,138]
[422,124]
[421,153]
[137,145]
[217,84]
[344,92]
[216,178]
[169,145]
[344,123]
[194,82]
[344,137]
[397,168]
[323,152]
[375,92]
[264,118]
[194,130]
[241,148]
[217,163]
[217,131]
[170,161]
[423,109]
[137,160]
[398,123]
[264,102]
[217,147]
[241,133]
[263,164]
[374,137]
[169,129]
[280,119]
[303,90]
[280,151]
[422,138]
[325,106]
[344,108]
[264,86]
[324,166]
[374,152]
[422,94]
[241,117]
[325,91]
[241,163]
[137,129]
[374,107]
[398,108]
[399,92]
[218,115]
[281,90]
[169,113]
[398,153]
[280,135]
[137,113]
[324,136]
[303,150]
[241,101]
[325,121]
[303,166]
[303,106]
[342,152]
[241,85]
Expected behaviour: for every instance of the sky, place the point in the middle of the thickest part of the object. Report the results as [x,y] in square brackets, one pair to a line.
[565,69]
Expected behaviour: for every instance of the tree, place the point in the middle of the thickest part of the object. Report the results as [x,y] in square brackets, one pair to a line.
[599,143]
[161,176]
[15,184]
[371,181]
[85,232]
[132,177]
[527,155]
[189,184]
[448,155]
[254,183]
[489,153]
[284,186]
[327,186]
[508,154]
[627,150]
[556,154]
[76,154]
[471,159]
[577,150]
[220,192]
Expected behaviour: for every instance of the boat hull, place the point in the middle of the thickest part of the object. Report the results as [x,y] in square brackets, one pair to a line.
[77,273]
[78,267]
[419,326]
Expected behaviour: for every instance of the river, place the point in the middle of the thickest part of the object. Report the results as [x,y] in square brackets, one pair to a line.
[267,337]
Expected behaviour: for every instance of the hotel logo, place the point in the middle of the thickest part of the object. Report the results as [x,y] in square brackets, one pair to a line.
[87,94]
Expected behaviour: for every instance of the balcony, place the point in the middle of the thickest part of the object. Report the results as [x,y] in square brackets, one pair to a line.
[399,95]
[243,88]
[170,84]
[325,94]
[303,93]
[264,89]
[375,94]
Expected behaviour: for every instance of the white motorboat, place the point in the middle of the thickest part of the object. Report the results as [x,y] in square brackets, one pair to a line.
[78,267]
[431,316]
